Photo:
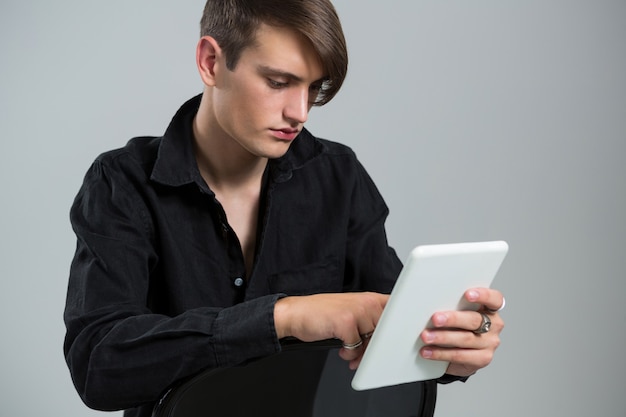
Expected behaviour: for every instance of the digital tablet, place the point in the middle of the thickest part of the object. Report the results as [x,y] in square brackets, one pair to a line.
[434,278]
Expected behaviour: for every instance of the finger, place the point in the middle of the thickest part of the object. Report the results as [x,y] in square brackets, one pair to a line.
[465,320]
[459,339]
[372,305]
[463,361]
[356,324]
[354,363]
[352,351]
[490,298]
[350,355]
[365,313]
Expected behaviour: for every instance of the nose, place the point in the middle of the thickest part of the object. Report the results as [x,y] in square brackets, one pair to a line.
[297,106]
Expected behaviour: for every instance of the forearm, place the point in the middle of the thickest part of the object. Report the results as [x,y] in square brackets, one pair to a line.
[123,358]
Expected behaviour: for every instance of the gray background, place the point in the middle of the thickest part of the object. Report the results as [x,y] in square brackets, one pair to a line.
[478,120]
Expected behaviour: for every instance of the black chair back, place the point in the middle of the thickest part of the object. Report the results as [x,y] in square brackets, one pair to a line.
[304,380]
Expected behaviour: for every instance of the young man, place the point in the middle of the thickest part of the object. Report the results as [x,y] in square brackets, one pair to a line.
[205,247]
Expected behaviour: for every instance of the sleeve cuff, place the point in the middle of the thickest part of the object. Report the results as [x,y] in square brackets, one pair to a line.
[447,378]
[246,331]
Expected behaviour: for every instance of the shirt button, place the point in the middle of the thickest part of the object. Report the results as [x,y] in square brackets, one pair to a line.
[238,282]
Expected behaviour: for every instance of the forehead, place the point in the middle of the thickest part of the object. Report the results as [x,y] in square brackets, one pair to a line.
[286,50]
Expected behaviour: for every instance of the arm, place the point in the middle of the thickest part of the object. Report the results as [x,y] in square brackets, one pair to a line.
[120,351]
[371,268]
[346,317]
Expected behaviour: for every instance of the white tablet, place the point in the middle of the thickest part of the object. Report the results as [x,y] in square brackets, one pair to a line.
[434,278]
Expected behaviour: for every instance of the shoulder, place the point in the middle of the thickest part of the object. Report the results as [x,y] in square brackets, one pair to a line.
[116,185]
[333,148]
[325,146]
[313,150]
[133,162]
[141,150]
[127,168]
[331,164]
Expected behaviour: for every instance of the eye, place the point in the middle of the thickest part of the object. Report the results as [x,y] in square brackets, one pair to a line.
[276,84]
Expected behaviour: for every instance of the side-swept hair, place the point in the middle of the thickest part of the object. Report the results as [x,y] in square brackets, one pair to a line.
[234,23]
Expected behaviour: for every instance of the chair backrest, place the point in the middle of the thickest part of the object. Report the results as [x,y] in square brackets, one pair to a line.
[336,398]
[305,381]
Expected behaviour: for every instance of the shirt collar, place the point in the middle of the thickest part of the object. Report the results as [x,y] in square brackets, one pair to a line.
[176,164]
[304,149]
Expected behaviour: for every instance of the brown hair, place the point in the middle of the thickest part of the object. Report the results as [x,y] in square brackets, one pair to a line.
[233,24]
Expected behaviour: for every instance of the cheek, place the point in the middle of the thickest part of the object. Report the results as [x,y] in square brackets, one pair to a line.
[248,100]
[261,107]
[242,118]
[249,106]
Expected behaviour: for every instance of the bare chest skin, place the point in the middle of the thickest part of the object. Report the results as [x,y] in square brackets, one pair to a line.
[236,182]
[241,207]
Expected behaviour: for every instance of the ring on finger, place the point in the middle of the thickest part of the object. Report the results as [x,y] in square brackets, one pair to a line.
[352,346]
[485,325]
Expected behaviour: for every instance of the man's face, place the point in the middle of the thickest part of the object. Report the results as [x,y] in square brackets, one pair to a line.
[263,104]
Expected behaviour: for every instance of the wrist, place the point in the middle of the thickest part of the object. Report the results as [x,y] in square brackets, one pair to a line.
[281,321]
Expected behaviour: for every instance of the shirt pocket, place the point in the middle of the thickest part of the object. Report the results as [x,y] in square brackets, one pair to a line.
[320,277]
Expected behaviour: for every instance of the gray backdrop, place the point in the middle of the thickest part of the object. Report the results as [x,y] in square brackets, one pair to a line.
[478,120]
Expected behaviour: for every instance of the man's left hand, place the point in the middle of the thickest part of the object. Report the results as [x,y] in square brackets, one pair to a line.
[453,336]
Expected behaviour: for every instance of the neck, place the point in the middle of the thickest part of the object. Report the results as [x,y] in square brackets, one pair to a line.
[222,161]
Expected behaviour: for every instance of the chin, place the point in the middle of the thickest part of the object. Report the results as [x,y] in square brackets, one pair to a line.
[276,152]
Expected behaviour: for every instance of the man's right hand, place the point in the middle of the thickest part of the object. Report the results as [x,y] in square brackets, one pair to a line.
[344,316]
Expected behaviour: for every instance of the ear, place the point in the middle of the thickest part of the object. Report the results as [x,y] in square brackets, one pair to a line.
[207,54]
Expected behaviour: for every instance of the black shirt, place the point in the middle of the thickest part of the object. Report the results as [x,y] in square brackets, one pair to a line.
[158,290]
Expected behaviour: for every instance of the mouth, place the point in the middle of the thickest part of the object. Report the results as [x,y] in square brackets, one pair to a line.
[285,134]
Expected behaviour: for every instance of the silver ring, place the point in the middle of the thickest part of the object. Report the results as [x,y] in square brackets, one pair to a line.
[485,325]
[367,335]
[352,346]
[500,309]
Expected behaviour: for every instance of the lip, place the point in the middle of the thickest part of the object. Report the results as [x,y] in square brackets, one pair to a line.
[285,134]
